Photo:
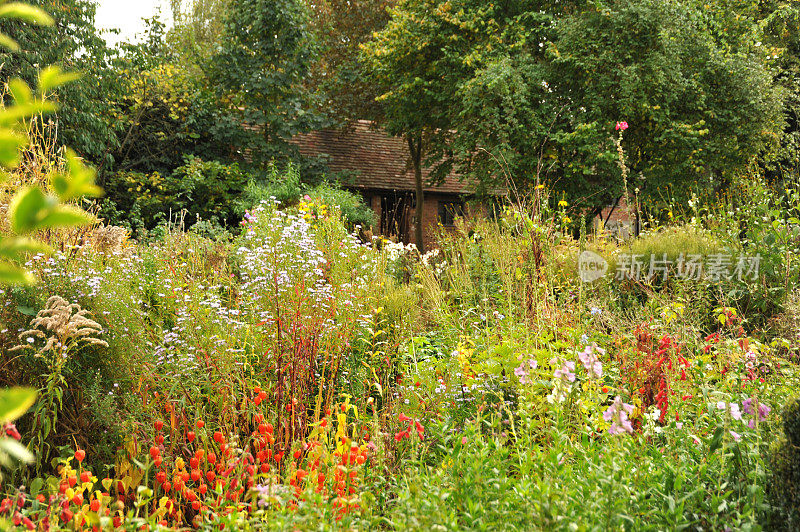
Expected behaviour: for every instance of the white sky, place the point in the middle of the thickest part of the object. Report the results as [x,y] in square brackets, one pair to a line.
[127,15]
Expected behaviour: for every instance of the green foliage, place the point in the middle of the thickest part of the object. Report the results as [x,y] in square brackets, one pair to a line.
[286,187]
[14,403]
[259,70]
[784,471]
[677,80]
[71,43]
[163,110]
[534,93]
[33,209]
[338,74]
[354,210]
[203,189]
[197,29]
[283,186]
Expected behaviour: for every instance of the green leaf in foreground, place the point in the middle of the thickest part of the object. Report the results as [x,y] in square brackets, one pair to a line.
[14,402]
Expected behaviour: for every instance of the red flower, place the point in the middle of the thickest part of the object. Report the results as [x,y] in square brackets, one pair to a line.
[12,432]
[80,454]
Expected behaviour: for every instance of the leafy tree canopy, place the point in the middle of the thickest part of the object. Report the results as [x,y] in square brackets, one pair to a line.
[534,89]
[338,73]
[260,69]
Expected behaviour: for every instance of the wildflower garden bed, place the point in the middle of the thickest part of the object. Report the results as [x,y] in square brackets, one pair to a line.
[295,377]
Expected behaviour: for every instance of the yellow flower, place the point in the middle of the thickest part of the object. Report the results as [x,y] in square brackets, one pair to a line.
[566,219]
[669,214]
[562,203]
[539,187]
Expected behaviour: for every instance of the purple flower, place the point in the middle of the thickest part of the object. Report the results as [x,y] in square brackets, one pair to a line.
[617,415]
[747,406]
[762,409]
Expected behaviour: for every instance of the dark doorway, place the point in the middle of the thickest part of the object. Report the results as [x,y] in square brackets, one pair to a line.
[396,208]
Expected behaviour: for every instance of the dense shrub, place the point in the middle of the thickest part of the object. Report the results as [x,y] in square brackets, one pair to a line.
[286,187]
[203,189]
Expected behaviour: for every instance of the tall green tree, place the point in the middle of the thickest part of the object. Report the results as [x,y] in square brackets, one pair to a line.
[197,29]
[417,62]
[260,68]
[781,22]
[690,78]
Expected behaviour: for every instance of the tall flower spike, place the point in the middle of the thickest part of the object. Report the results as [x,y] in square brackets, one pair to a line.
[590,360]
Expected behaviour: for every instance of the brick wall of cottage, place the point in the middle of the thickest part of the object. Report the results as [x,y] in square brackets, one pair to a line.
[620,221]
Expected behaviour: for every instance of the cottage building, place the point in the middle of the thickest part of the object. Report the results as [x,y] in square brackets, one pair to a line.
[377,166]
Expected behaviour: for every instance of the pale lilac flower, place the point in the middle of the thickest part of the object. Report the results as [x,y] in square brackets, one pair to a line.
[736,435]
[590,360]
[565,372]
[733,408]
[521,372]
[596,311]
[617,415]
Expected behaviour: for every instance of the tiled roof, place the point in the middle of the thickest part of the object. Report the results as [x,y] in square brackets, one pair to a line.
[378,160]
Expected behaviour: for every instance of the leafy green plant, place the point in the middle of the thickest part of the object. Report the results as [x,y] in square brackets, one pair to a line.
[14,403]
[33,209]
[56,331]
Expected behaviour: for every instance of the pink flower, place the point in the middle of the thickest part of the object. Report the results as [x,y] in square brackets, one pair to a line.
[565,372]
[617,415]
[622,126]
[591,361]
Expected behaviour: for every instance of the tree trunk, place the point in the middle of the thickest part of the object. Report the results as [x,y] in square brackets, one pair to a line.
[415,148]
